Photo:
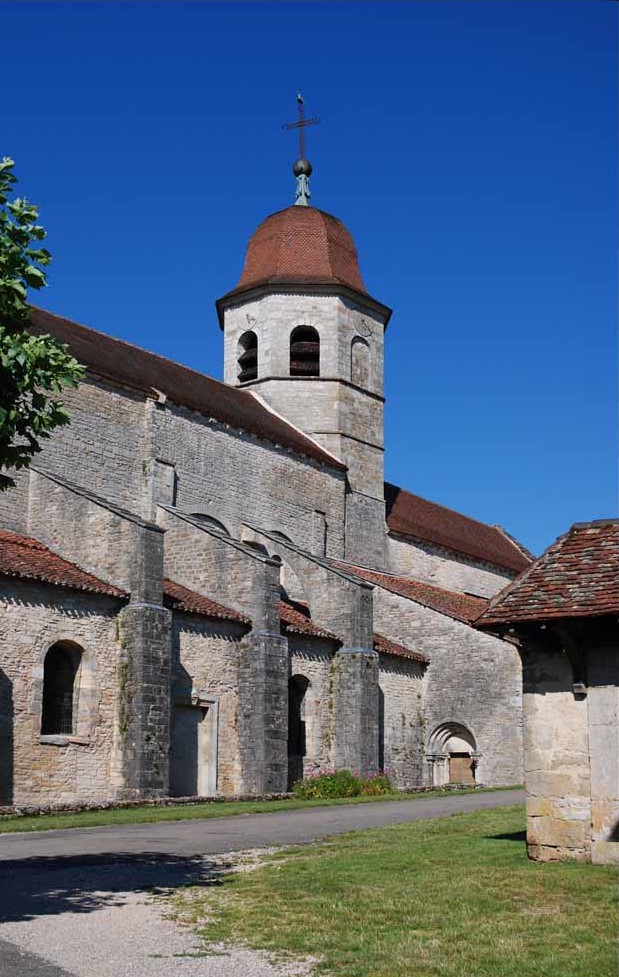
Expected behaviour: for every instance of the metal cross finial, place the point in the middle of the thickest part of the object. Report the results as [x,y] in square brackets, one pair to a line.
[301,124]
[302,169]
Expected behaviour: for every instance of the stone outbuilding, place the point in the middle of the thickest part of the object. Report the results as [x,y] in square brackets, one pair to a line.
[563,615]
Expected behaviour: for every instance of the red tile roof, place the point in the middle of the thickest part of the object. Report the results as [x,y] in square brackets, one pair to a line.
[387,647]
[116,360]
[27,559]
[462,607]
[293,619]
[300,245]
[410,515]
[180,598]
[578,576]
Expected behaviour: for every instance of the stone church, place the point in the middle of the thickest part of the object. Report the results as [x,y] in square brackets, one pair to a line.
[208,588]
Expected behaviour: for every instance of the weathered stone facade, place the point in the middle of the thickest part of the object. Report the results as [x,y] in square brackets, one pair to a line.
[572,747]
[86,765]
[561,614]
[155,485]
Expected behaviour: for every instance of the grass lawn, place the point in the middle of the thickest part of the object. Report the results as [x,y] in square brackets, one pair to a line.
[184,812]
[450,897]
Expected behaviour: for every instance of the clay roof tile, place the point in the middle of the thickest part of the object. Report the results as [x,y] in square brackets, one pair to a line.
[417,518]
[28,559]
[577,576]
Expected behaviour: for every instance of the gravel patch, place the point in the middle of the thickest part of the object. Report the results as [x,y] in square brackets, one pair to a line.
[110,920]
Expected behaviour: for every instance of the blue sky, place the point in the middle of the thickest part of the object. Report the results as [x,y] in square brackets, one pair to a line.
[469,147]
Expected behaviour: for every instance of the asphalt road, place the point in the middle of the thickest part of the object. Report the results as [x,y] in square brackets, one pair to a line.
[216,835]
[79,902]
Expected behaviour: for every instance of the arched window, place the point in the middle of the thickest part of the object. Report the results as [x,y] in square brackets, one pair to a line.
[210,521]
[248,356]
[304,352]
[297,687]
[60,670]
[360,362]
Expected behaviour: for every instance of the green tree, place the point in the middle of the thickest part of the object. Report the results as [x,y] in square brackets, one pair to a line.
[31,367]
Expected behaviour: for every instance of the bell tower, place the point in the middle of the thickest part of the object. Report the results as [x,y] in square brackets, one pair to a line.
[301,331]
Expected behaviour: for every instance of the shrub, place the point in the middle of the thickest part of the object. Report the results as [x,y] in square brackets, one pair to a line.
[378,783]
[341,783]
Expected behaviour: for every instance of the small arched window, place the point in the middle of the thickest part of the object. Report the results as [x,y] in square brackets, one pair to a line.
[248,356]
[207,520]
[360,362]
[60,670]
[304,352]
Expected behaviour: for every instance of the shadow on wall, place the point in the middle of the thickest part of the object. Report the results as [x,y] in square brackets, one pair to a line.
[6,739]
[84,884]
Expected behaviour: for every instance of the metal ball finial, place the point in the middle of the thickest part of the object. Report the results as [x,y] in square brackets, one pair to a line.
[302,167]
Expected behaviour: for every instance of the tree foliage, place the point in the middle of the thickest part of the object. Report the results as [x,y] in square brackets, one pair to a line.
[32,367]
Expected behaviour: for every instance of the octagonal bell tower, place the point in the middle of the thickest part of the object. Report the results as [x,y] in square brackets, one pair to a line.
[301,331]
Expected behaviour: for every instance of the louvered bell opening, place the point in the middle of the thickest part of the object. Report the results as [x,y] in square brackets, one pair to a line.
[248,358]
[248,365]
[305,358]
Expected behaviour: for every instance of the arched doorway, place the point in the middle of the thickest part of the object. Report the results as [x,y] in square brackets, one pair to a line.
[297,688]
[452,755]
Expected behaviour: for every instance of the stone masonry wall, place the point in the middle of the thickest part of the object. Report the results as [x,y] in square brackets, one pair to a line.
[313,658]
[55,769]
[473,679]
[273,317]
[116,435]
[341,415]
[556,757]
[205,656]
[401,718]
[236,478]
[603,712]
[440,566]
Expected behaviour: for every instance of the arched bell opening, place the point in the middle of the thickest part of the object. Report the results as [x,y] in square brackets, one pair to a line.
[297,746]
[304,352]
[247,357]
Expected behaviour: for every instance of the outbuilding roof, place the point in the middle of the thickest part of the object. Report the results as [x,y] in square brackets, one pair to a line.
[417,518]
[158,377]
[27,559]
[462,607]
[578,576]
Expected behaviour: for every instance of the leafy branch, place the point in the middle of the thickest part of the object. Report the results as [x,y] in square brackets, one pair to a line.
[31,366]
